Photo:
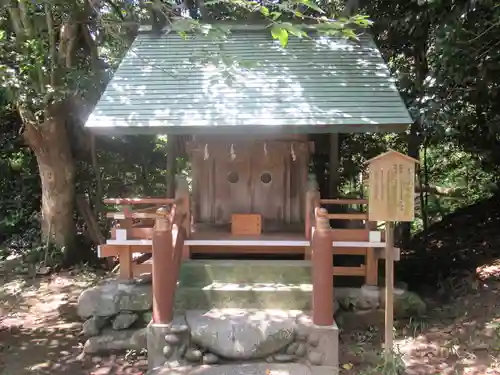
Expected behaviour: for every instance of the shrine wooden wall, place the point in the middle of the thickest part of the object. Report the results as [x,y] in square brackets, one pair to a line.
[250,175]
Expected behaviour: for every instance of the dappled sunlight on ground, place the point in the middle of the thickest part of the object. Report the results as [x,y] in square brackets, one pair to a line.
[40,331]
[40,334]
[461,337]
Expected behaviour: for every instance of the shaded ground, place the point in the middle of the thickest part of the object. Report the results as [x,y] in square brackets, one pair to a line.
[458,262]
[457,266]
[39,330]
[454,247]
[461,337]
[39,334]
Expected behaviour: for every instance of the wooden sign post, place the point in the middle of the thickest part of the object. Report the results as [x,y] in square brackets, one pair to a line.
[391,198]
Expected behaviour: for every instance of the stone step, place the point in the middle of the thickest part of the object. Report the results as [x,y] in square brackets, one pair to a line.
[257,368]
[245,295]
[201,273]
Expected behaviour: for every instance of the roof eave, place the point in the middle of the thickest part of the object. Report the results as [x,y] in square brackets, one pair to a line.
[244,130]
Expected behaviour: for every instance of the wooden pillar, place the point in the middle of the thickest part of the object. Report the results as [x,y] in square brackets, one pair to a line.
[371,259]
[182,197]
[334,165]
[125,259]
[371,277]
[171,164]
[163,267]
[312,201]
[389,289]
[322,270]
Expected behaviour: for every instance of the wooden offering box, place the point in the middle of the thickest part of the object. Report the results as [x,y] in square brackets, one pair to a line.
[246,224]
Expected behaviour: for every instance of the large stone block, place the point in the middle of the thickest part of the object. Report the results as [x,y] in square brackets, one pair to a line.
[116,340]
[112,297]
[201,273]
[250,296]
[242,334]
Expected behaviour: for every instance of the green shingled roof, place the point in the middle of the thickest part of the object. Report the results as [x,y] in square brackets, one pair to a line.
[166,84]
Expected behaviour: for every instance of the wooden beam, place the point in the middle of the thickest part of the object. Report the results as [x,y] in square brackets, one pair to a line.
[125,258]
[354,235]
[349,271]
[246,250]
[353,216]
[349,251]
[380,254]
[342,201]
[371,277]
[135,233]
[349,234]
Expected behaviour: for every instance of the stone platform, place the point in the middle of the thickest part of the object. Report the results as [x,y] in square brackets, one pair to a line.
[259,368]
[230,312]
[239,335]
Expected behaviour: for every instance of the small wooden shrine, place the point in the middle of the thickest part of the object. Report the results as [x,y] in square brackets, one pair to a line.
[256,175]
[249,148]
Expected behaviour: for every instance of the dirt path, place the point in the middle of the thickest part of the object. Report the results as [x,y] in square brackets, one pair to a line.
[39,334]
[39,330]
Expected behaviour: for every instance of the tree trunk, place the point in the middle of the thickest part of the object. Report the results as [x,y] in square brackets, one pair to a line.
[50,143]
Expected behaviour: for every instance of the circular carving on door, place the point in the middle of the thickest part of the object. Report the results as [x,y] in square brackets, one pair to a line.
[233,177]
[265,178]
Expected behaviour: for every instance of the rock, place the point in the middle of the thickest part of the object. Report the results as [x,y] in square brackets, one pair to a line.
[258,368]
[193,355]
[114,297]
[43,271]
[365,298]
[124,320]
[240,334]
[283,358]
[144,279]
[360,320]
[406,304]
[301,350]
[139,338]
[168,351]
[401,285]
[292,348]
[301,335]
[368,298]
[113,340]
[172,339]
[93,326]
[182,350]
[210,359]
[315,358]
[313,339]
[180,328]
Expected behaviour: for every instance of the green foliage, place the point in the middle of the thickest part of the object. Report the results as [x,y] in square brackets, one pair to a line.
[19,187]
[392,364]
[445,56]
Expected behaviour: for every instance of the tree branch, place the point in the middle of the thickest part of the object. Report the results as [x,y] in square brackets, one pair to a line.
[52,44]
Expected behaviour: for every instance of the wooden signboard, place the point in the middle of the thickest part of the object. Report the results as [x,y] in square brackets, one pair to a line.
[391,184]
[391,198]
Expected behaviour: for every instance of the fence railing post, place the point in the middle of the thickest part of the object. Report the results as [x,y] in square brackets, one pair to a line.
[162,268]
[322,270]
